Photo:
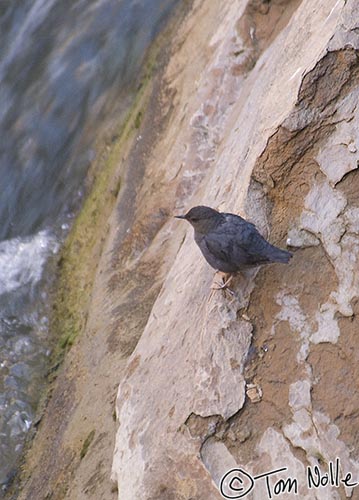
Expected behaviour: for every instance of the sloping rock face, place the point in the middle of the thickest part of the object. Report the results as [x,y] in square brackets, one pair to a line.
[258,116]
[254,111]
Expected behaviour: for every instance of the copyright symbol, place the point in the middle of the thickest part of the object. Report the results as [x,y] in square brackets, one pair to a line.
[236,483]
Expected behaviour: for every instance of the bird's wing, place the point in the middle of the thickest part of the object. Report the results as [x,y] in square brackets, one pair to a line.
[238,241]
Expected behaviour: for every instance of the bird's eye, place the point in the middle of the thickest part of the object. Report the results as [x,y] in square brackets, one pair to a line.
[193,219]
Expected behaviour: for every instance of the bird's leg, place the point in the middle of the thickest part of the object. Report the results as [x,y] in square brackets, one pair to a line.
[226,278]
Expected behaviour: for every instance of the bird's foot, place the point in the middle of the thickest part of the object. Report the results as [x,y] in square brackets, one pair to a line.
[226,278]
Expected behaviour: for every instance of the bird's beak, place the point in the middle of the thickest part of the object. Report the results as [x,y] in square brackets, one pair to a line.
[179,216]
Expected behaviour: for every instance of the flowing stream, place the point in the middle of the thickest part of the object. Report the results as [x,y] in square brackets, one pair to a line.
[67,68]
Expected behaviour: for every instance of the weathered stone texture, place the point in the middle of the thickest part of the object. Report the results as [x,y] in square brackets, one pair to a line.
[268,125]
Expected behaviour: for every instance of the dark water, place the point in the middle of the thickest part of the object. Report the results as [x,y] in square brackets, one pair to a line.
[67,69]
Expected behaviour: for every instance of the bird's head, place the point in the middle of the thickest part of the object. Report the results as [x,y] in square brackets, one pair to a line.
[202,218]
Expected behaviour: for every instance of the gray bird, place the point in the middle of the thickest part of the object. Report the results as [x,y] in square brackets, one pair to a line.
[230,243]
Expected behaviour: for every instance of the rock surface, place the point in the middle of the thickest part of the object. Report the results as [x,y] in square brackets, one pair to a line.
[280,110]
[255,112]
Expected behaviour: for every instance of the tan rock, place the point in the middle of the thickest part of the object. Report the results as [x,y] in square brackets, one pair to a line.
[254,113]
[243,120]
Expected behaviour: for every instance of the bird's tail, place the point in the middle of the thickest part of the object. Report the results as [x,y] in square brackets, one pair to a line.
[279,255]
